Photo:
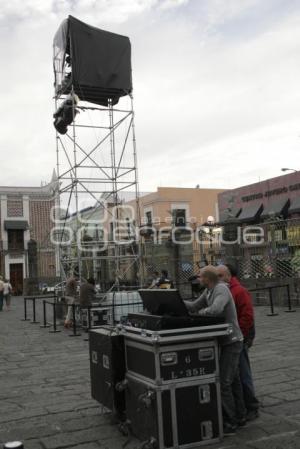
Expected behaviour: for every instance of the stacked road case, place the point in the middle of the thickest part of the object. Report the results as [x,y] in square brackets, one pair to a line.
[107,368]
[166,382]
[172,386]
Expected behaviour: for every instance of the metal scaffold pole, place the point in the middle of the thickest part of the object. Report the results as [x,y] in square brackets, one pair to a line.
[104,190]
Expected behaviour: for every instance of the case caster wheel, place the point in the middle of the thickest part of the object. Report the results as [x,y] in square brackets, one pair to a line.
[121,386]
[150,444]
[146,399]
[124,428]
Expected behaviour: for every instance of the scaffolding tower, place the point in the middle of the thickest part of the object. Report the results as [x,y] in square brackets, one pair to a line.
[97,173]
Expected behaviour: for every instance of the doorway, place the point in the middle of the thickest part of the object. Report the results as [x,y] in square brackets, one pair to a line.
[16,277]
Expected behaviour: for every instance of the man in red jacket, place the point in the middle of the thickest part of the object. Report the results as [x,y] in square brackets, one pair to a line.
[245,314]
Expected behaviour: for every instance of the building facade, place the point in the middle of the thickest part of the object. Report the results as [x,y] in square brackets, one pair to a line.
[25,235]
[260,201]
[172,219]
[176,206]
[270,211]
[145,230]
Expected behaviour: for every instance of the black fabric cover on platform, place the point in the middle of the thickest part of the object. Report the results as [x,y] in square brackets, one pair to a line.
[96,62]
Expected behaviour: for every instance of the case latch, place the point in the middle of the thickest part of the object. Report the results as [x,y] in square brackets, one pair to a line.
[206,354]
[169,358]
[204,394]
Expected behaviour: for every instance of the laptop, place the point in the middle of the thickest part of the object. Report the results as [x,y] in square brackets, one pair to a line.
[163,302]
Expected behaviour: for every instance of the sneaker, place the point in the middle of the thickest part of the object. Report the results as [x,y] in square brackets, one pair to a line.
[229,430]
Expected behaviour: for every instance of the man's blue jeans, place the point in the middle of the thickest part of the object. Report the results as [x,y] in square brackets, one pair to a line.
[231,388]
[251,402]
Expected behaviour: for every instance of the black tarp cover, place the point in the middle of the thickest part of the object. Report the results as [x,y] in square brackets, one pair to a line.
[100,62]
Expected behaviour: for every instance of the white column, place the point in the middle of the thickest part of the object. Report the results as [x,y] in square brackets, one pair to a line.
[6,263]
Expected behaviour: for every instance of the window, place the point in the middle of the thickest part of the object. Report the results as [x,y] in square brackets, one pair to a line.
[15,239]
[149,218]
[14,207]
[179,217]
[111,231]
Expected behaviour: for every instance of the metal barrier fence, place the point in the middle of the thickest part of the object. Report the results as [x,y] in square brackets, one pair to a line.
[114,307]
[275,255]
[33,299]
[270,289]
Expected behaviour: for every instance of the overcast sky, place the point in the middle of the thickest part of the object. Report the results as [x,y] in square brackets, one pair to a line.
[216,87]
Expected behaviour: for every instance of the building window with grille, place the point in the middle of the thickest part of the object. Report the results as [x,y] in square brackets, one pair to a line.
[111,231]
[15,207]
[149,218]
[179,217]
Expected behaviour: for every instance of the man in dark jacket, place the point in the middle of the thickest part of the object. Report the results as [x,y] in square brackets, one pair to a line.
[87,292]
[164,281]
[245,314]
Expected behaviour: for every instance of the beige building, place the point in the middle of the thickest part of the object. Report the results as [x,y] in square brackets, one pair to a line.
[163,215]
[178,206]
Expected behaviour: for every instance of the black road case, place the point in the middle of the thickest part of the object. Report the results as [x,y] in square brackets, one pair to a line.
[107,368]
[165,363]
[97,317]
[179,415]
[168,356]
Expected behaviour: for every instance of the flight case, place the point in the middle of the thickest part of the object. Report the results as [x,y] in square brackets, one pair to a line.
[162,357]
[163,364]
[107,368]
[179,415]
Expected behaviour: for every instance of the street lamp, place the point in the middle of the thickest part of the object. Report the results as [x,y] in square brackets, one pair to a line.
[210,222]
[289,169]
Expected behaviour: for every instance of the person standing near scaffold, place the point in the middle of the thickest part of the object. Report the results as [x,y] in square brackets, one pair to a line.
[7,289]
[70,296]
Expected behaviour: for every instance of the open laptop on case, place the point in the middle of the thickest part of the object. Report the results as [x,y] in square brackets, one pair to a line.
[168,311]
[163,302]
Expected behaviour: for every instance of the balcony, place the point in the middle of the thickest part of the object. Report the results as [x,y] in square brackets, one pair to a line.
[15,248]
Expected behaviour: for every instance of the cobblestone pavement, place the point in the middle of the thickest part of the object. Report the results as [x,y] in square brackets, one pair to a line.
[45,391]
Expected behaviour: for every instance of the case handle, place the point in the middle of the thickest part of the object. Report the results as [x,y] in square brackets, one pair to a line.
[206,430]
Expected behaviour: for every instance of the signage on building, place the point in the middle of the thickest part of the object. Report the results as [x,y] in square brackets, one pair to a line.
[268,193]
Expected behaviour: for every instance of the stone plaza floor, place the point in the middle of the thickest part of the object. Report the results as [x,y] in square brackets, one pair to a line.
[45,388]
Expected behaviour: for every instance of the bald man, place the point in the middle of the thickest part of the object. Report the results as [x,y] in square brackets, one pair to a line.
[216,300]
[245,314]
